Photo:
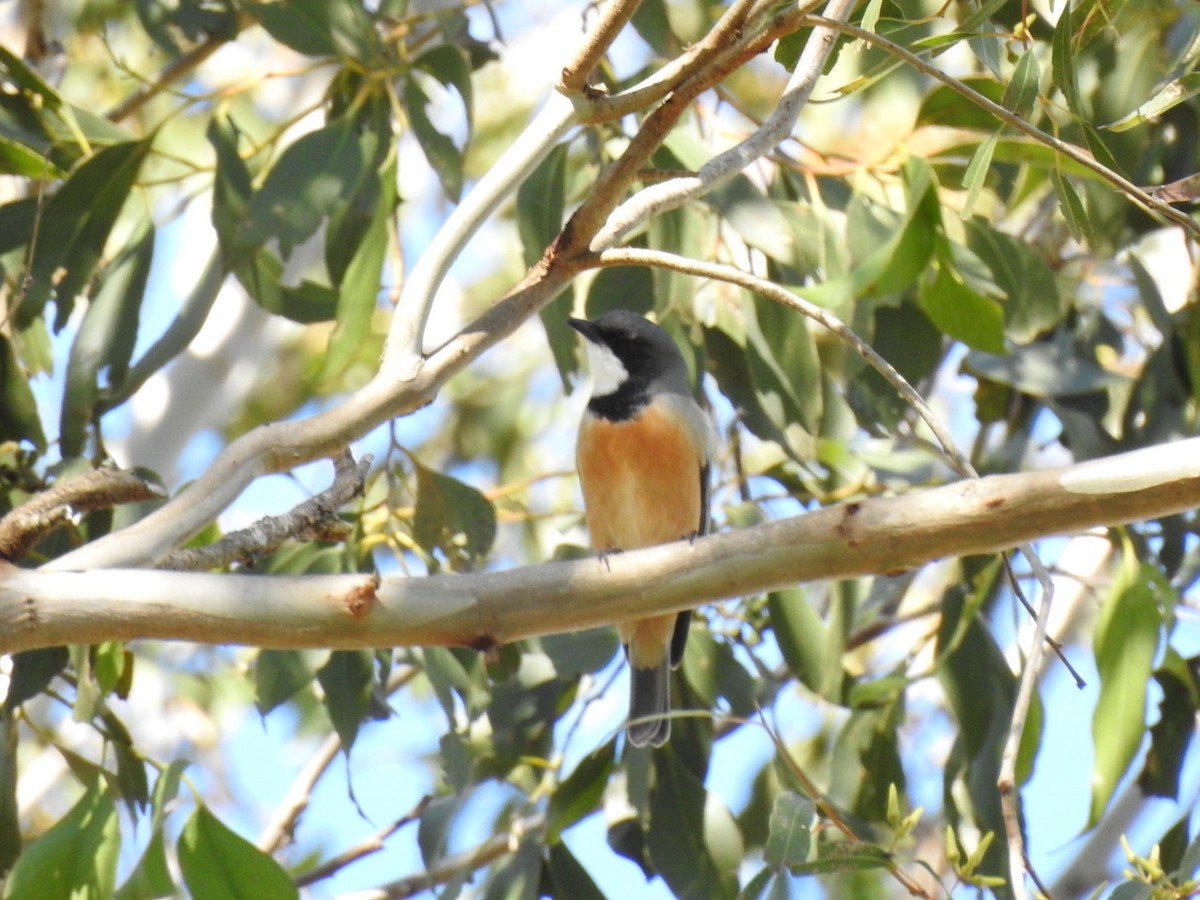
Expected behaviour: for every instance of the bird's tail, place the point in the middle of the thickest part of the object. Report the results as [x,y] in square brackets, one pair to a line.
[649,703]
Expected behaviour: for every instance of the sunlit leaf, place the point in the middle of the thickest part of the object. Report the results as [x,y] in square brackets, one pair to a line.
[963,314]
[359,290]
[77,857]
[216,862]
[1126,639]
[802,637]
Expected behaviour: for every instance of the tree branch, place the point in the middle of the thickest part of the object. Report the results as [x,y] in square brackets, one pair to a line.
[99,488]
[314,519]
[672,194]
[40,608]
[613,17]
[493,848]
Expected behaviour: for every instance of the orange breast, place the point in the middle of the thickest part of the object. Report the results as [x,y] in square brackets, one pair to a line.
[640,479]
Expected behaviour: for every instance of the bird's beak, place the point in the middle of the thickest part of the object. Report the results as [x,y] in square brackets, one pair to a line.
[584,327]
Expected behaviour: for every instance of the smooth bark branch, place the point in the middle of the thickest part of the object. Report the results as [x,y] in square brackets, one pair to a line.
[40,608]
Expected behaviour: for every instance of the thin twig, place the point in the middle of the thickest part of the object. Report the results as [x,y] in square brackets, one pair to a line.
[178,69]
[599,38]
[722,36]
[829,810]
[1018,859]
[314,519]
[403,354]
[295,801]
[459,863]
[372,844]
[1141,197]
[658,198]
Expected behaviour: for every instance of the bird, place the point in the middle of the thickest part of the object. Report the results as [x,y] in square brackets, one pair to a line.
[644,455]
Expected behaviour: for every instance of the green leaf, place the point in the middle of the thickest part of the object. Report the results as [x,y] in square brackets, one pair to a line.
[32,672]
[105,339]
[1063,63]
[346,680]
[75,226]
[790,836]
[961,313]
[452,516]
[540,203]
[1171,95]
[1071,206]
[944,106]
[278,676]
[1093,16]
[232,187]
[131,777]
[803,641]
[359,290]
[693,840]
[1022,90]
[980,689]
[571,880]
[39,95]
[1032,303]
[845,856]
[729,364]
[976,174]
[444,157]
[217,863]
[576,653]
[579,794]
[891,251]
[450,65]
[1125,641]
[306,302]
[77,857]
[151,877]
[312,178]
[110,665]
[318,27]
[713,673]
[10,820]
[517,875]
[1170,735]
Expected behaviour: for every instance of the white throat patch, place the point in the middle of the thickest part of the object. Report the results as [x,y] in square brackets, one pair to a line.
[608,374]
